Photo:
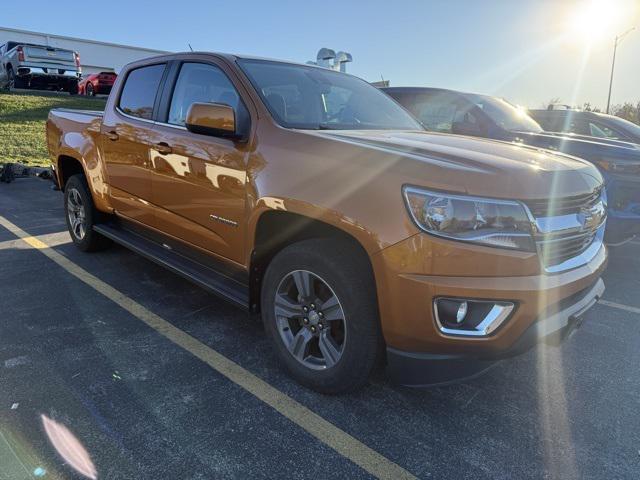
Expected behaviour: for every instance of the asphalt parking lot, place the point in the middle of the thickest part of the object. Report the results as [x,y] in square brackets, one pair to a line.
[88,383]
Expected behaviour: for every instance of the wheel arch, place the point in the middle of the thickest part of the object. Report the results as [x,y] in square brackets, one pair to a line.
[67,167]
[274,230]
[69,164]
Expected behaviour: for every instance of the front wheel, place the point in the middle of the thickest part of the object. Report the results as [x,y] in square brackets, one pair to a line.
[89,90]
[319,307]
[81,215]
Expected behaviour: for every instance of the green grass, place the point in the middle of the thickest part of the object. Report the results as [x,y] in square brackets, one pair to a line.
[22,123]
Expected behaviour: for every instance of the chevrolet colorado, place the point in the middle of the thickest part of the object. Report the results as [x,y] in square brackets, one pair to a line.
[313,198]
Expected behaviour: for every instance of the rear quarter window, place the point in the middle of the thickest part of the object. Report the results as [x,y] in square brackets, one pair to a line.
[139,91]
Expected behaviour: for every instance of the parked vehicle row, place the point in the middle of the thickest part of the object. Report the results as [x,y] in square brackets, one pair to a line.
[25,65]
[588,124]
[476,115]
[312,198]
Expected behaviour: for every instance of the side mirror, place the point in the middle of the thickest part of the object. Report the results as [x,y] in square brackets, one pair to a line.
[214,119]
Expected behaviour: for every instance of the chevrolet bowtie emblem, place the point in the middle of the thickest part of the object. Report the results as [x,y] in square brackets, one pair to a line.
[592,217]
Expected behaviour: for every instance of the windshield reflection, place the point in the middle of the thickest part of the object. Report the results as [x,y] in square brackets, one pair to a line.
[505,115]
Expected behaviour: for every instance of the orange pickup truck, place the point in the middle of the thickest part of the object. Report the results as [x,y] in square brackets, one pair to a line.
[314,199]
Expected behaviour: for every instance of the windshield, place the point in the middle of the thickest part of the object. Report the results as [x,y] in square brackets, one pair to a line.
[504,114]
[313,98]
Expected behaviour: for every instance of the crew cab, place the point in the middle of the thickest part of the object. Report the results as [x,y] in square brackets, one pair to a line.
[483,116]
[310,197]
[27,65]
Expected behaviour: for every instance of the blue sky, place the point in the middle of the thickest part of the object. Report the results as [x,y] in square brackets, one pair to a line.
[513,49]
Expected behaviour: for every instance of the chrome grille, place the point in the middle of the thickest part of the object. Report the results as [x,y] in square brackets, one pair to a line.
[563,230]
[555,250]
[562,206]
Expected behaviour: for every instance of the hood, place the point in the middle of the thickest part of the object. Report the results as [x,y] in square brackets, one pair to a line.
[471,165]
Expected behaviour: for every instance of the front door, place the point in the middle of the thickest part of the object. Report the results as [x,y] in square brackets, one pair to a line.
[199,181]
[127,134]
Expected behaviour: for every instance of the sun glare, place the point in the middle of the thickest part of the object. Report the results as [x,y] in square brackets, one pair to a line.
[594,20]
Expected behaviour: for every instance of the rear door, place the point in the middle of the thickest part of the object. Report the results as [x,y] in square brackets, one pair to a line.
[127,135]
[199,181]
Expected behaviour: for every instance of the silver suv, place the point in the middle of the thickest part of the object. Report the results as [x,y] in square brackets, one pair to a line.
[26,65]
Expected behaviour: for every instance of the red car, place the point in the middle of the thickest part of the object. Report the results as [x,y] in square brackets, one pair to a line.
[95,83]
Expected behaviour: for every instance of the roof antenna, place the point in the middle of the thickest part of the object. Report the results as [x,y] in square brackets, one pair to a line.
[190,47]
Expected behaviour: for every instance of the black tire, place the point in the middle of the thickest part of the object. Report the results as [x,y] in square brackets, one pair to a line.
[347,272]
[13,81]
[89,241]
[72,88]
[89,90]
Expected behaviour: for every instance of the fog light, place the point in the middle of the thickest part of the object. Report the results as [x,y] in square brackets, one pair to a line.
[470,317]
[462,312]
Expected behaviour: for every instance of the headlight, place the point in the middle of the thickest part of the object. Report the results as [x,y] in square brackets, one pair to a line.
[496,223]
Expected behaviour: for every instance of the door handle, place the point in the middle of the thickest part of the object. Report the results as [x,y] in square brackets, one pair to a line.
[113,136]
[163,148]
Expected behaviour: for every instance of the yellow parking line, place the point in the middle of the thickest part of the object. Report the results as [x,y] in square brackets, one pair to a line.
[343,443]
[620,306]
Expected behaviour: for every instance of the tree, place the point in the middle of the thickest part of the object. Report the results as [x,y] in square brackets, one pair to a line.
[628,111]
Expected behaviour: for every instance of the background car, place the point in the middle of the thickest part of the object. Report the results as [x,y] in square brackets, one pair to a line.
[580,122]
[26,65]
[97,83]
[476,115]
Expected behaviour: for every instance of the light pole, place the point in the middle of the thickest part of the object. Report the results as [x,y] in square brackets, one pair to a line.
[613,63]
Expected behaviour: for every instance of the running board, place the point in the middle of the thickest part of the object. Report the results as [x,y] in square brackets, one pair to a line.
[201,275]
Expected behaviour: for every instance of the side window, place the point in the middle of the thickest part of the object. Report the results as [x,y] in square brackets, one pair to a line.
[199,82]
[602,131]
[140,89]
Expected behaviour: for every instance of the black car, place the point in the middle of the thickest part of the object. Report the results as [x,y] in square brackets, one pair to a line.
[592,124]
[476,115]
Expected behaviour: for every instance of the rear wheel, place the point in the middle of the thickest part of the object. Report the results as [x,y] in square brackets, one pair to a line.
[81,215]
[72,88]
[320,309]
[13,81]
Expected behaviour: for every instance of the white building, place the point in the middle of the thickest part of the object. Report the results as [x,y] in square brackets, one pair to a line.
[95,56]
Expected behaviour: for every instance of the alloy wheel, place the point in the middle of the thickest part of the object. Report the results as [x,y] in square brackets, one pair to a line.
[76,214]
[310,320]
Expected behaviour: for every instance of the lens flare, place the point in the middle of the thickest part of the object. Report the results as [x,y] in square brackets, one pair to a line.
[69,448]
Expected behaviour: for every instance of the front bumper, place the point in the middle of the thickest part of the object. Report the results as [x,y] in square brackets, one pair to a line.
[412,273]
[424,369]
